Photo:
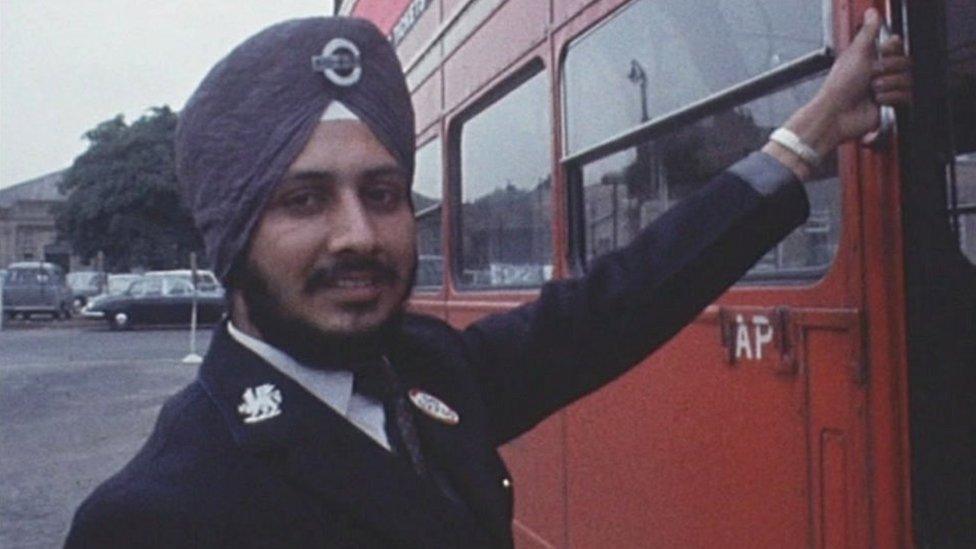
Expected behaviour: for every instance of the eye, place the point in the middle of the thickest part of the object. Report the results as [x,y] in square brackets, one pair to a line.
[384,196]
[302,202]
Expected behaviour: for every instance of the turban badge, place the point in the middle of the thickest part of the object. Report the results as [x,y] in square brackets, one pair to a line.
[339,62]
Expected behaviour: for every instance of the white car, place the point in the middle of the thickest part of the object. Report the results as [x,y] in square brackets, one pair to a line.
[206,281]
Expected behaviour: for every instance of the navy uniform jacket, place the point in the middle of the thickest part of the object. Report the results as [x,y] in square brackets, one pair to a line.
[309,478]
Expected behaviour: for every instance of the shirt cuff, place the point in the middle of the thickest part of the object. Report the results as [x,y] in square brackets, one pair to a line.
[763,173]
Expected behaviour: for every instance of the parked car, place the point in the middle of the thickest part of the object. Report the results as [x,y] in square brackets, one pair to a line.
[156,300]
[33,287]
[206,281]
[115,284]
[85,285]
[119,283]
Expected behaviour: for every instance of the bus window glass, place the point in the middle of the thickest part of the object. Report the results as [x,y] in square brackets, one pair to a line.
[506,184]
[655,56]
[961,103]
[964,209]
[626,191]
[427,197]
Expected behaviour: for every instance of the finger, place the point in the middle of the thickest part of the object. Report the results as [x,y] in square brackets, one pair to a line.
[894,98]
[891,82]
[869,32]
[893,46]
[891,65]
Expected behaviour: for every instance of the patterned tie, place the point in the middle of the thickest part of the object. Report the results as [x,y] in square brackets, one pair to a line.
[379,381]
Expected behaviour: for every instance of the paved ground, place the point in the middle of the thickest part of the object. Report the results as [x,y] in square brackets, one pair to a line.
[76,402]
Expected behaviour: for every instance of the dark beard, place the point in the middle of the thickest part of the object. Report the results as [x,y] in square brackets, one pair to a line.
[304,341]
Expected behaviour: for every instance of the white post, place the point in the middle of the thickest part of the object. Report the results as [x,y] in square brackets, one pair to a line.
[193,357]
[102,276]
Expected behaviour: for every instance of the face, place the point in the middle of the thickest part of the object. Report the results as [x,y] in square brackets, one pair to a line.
[334,251]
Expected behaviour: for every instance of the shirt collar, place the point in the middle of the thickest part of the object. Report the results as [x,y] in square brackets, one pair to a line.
[333,387]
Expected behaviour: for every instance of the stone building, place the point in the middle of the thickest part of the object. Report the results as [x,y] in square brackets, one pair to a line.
[27,231]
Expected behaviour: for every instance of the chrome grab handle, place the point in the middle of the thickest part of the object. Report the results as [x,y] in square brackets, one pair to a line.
[881,138]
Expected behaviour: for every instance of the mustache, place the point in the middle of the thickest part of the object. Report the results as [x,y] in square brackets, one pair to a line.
[328,275]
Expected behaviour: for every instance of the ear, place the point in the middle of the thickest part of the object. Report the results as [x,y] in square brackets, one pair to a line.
[239,314]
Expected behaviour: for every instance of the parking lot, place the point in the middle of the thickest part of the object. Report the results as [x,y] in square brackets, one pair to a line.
[76,401]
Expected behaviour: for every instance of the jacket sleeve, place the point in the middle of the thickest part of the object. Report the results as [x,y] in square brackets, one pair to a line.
[582,333]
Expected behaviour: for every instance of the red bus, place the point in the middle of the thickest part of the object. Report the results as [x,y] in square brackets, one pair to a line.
[828,399]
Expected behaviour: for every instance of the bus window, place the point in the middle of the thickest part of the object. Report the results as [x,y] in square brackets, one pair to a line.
[626,191]
[655,56]
[506,187]
[961,103]
[644,69]
[427,198]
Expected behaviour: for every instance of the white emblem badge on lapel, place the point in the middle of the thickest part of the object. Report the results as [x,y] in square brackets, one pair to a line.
[433,407]
[260,403]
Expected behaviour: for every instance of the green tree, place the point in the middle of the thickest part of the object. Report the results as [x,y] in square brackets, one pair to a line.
[123,197]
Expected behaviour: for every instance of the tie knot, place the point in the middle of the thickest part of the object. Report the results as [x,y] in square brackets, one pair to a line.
[375,379]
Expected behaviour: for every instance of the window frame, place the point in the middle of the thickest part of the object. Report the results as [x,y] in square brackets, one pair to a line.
[528,69]
[808,66]
[430,291]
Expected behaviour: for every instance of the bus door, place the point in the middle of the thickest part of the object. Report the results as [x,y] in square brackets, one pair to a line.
[750,428]
[938,151]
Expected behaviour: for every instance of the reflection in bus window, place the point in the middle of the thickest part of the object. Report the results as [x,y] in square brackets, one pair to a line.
[427,198]
[625,192]
[506,184]
[656,56]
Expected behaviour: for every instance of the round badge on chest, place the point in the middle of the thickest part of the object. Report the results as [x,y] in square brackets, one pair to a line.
[433,407]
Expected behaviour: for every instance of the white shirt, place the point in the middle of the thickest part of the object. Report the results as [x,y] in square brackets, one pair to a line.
[333,387]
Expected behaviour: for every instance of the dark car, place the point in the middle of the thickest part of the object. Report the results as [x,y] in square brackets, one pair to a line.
[115,284]
[32,287]
[156,300]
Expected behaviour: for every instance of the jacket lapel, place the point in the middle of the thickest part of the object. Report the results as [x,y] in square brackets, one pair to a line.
[322,452]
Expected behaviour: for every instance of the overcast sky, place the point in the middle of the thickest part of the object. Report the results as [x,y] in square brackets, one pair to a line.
[66,65]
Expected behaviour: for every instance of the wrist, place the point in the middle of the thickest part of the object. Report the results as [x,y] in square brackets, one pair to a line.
[815,125]
[791,160]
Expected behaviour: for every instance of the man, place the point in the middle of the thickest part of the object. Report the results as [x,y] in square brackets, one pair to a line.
[324,415]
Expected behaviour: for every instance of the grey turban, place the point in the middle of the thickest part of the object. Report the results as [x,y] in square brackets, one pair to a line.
[256,109]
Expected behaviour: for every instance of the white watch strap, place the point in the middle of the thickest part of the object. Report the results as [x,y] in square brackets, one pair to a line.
[794,144]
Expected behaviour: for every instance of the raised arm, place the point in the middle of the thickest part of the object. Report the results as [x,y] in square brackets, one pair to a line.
[582,333]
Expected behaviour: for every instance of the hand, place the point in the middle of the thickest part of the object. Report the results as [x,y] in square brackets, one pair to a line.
[847,105]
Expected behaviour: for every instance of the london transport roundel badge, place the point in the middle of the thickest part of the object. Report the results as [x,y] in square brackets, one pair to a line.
[433,407]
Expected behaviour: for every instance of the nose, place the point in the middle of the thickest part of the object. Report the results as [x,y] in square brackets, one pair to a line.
[352,229]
